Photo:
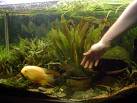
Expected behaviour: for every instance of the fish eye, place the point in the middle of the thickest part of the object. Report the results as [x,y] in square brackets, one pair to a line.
[25,71]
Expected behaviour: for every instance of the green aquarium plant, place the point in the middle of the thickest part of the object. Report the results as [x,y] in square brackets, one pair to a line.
[27,52]
[8,62]
[34,30]
[123,48]
[15,81]
[128,40]
[118,53]
[34,52]
[72,38]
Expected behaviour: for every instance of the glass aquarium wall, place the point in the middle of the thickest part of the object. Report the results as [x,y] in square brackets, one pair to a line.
[42,45]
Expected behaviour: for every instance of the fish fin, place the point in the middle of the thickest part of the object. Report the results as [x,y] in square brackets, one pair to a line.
[48,81]
[52,72]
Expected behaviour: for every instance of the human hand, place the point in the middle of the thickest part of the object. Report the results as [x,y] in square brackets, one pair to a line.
[92,56]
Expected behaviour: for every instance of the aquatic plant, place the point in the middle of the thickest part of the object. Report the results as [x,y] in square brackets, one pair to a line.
[72,38]
[89,7]
[117,53]
[8,62]
[128,40]
[34,30]
[16,81]
[24,22]
[34,52]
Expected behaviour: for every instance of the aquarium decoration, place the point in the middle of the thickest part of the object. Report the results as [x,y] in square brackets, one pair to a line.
[45,45]
[6,31]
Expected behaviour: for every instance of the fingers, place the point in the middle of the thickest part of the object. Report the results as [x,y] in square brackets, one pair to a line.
[83,61]
[86,64]
[90,66]
[89,62]
[97,62]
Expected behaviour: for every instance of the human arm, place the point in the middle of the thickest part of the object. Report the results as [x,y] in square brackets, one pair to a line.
[125,21]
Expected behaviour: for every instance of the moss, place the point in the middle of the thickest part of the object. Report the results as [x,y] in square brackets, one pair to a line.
[14,82]
[117,53]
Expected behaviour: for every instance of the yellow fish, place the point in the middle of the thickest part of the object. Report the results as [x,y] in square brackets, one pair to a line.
[40,75]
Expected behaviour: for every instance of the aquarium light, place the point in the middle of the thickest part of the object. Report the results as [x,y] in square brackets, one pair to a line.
[6,2]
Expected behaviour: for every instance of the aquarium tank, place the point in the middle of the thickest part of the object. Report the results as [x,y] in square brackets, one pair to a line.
[42,44]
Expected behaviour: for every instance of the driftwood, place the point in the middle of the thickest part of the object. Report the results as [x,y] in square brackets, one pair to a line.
[9,94]
[125,95]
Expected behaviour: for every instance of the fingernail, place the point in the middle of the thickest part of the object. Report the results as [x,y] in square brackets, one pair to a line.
[96,63]
[85,53]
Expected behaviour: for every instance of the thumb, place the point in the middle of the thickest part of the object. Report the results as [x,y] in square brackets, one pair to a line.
[87,53]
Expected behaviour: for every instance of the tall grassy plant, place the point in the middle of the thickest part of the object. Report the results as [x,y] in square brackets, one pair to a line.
[72,38]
